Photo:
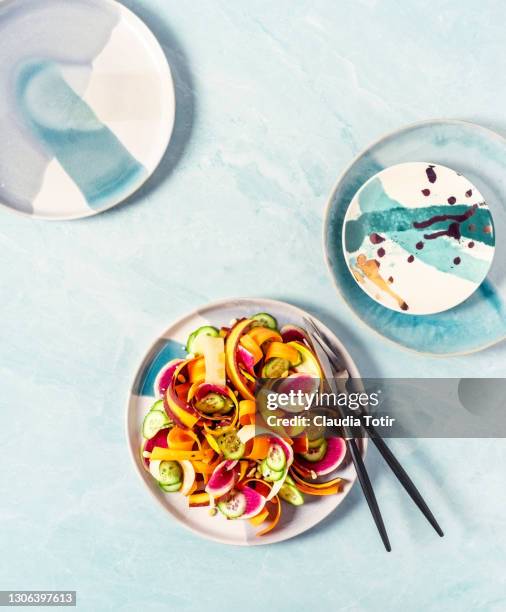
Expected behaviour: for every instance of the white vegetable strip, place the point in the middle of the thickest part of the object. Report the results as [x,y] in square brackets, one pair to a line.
[154,468]
[188,476]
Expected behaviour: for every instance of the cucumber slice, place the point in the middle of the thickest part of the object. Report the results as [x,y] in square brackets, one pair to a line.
[234,506]
[315,443]
[211,403]
[231,446]
[170,488]
[205,330]
[290,480]
[291,494]
[153,422]
[158,406]
[316,453]
[314,432]
[276,458]
[268,473]
[170,472]
[276,368]
[263,319]
[229,404]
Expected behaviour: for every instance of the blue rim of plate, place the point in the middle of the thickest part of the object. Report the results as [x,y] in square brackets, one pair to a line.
[480,321]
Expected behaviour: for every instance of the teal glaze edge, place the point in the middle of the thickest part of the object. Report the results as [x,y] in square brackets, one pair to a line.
[433,330]
[162,352]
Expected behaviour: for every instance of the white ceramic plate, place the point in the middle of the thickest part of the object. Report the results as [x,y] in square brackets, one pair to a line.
[86,106]
[169,346]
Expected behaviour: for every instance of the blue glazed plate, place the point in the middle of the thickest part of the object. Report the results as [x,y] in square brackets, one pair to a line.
[480,155]
[86,106]
[142,395]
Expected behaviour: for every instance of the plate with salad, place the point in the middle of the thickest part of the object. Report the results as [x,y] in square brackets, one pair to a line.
[194,434]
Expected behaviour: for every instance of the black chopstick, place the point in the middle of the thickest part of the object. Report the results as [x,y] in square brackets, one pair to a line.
[360,468]
[385,452]
[403,478]
[365,483]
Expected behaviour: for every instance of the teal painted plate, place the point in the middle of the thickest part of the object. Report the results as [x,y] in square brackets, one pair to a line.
[480,155]
[418,238]
[86,106]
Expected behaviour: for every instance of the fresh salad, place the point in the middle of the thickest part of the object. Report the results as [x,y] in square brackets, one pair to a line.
[202,438]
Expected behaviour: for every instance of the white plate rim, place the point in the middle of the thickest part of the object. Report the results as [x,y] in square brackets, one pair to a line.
[326,214]
[265,303]
[154,43]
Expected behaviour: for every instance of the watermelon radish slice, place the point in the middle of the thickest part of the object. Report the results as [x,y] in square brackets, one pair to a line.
[246,359]
[255,502]
[300,381]
[292,332]
[336,452]
[160,439]
[222,479]
[164,377]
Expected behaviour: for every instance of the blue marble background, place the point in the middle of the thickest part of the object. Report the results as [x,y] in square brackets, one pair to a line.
[274,99]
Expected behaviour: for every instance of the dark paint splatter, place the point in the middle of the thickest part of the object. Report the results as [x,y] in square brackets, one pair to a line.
[426,192]
[381,252]
[452,200]
[453,230]
[456,261]
[419,245]
[411,259]
[431,175]
[469,193]
[390,279]
[404,306]
[376,238]
[436,219]
[471,244]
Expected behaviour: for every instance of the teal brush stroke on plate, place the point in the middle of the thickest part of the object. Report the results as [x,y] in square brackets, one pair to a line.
[88,150]
[401,220]
[480,155]
[397,224]
[163,352]
[70,33]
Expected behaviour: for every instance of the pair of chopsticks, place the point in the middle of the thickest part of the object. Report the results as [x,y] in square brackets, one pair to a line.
[331,366]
